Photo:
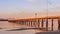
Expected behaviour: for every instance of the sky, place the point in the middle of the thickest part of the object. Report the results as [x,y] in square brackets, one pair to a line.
[28,8]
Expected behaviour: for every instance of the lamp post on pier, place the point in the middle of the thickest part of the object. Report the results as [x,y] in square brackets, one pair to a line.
[35,15]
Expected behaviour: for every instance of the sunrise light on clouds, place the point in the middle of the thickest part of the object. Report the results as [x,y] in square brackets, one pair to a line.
[27,8]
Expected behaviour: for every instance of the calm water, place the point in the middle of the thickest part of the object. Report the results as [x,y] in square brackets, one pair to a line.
[8,26]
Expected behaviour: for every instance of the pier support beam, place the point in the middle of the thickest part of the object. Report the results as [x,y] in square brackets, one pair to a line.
[47,24]
[31,23]
[42,23]
[35,23]
[58,24]
[52,25]
[38,23]
[28,23]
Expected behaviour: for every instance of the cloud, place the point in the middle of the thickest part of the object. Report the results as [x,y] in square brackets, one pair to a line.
[32,0]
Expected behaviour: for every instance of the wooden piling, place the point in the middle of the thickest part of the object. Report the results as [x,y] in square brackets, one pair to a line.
[58,24]
[28,23]
[31,23]
[34,23]
[42,23]
[47,24]
[38,23]
[52,25]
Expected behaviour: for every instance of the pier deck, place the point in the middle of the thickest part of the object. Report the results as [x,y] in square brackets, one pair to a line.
[38,22]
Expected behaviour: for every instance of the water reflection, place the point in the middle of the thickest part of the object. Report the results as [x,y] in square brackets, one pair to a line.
[5,25]
[13,28]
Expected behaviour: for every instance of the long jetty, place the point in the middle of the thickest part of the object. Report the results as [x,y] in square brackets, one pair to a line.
[38,22]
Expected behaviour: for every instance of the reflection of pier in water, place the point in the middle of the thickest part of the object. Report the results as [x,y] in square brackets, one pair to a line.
[38,22]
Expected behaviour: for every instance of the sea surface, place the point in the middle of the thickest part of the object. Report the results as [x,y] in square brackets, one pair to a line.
[5,26]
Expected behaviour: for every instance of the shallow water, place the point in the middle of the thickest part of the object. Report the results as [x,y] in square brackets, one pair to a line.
[5,25]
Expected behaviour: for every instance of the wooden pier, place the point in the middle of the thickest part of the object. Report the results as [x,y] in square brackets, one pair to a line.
[38,22]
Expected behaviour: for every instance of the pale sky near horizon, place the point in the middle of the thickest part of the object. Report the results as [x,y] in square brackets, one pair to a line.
[27,8]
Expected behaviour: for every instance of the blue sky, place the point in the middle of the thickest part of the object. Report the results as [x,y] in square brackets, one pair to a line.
[27,8]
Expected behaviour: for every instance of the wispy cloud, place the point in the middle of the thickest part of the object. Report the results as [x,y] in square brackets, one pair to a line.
[32,1]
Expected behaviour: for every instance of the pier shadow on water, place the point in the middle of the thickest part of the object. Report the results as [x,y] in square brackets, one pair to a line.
[20,29]
[51,32]
[1,28]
